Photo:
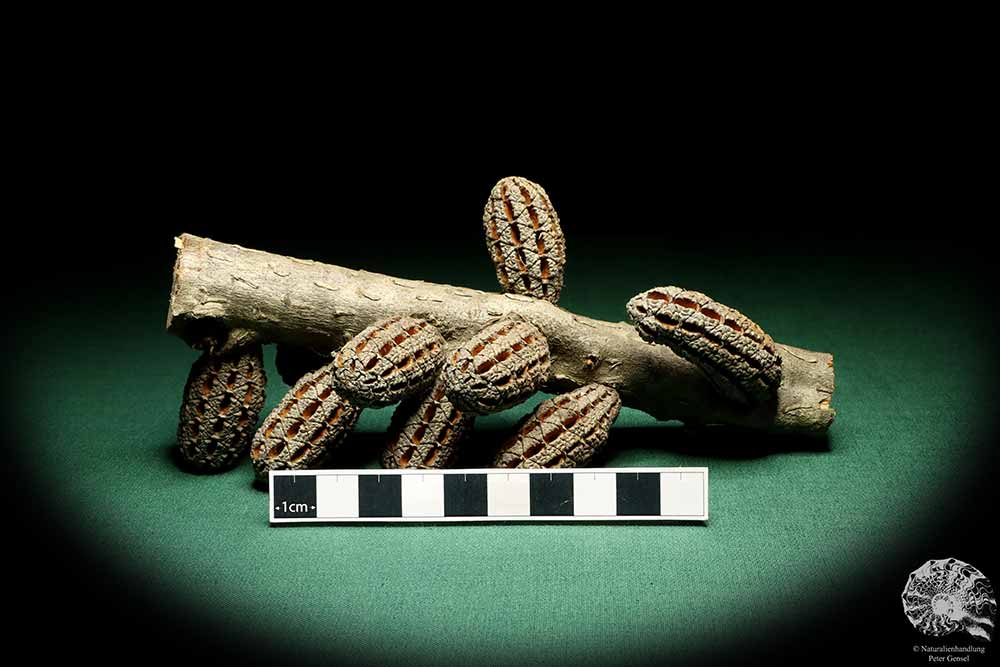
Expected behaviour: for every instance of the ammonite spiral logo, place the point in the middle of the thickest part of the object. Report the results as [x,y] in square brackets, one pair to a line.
[946,596]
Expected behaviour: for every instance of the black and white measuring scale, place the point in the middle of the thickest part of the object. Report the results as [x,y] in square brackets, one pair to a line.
[489,494]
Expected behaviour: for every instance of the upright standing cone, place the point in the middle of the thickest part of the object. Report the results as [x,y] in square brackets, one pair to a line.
[524,239]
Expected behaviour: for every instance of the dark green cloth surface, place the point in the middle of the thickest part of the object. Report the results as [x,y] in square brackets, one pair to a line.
[793,524]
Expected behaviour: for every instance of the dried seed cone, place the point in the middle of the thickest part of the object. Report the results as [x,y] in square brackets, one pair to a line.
[501,366]
[293,362]
[389,361]
[308,423]
[425,432]
[524,239]
[565,431]
[736,355]
[222,401]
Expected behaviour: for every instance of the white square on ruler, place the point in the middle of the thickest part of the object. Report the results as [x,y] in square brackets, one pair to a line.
[682,494]
[508,494]
[595,494]
[336,496]
[423,495]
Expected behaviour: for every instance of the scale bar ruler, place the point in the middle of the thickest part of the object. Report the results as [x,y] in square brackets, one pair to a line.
[489,495]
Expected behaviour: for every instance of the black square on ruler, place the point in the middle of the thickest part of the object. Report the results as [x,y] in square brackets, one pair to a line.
[380,495]
[551,494]
[638,493]
[464,495]
[294,496]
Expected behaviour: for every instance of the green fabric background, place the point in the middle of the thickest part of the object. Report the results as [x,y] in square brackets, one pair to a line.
[792,524]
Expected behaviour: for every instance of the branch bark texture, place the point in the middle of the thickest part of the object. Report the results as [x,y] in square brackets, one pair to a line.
[224,295]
